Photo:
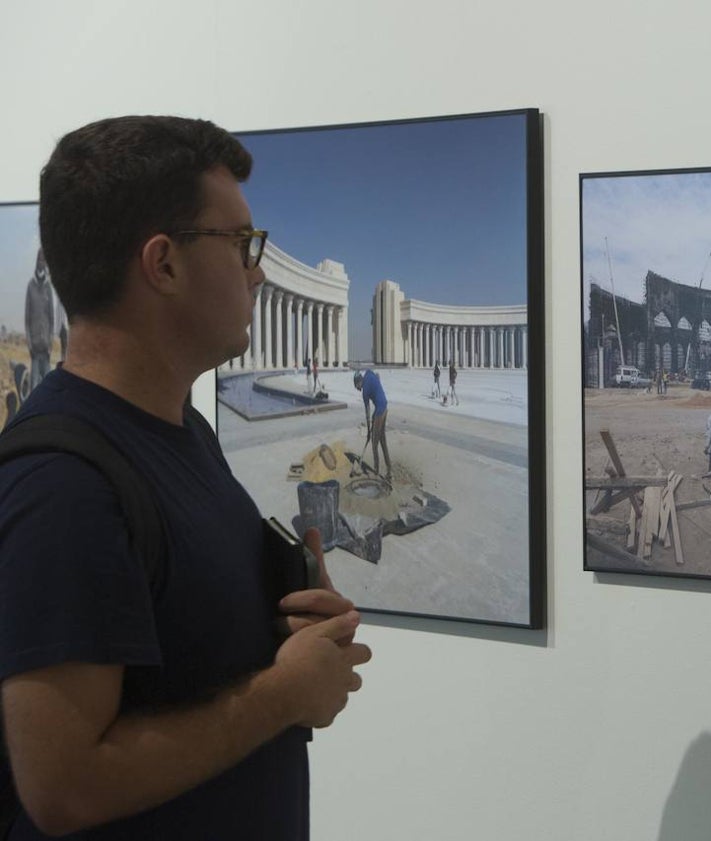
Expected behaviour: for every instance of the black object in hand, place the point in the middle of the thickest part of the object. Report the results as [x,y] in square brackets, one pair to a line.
[290,565]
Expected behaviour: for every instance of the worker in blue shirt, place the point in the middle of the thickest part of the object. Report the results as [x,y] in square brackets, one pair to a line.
[369,384]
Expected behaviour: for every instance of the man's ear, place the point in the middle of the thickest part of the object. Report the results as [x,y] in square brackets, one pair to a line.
[158,259]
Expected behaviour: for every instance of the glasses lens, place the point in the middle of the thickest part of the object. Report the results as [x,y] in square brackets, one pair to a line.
[254,251]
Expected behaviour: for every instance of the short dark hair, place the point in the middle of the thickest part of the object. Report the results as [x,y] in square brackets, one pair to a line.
[111,185]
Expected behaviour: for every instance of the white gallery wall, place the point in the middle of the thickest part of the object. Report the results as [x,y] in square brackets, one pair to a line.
[599,728]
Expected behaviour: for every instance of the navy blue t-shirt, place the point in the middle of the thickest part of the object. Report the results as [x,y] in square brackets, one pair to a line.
[72,589]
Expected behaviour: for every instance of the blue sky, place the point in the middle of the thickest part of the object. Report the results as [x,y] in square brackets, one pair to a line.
[436,206]
[658,222]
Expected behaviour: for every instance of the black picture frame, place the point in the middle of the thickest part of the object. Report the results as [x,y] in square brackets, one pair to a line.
[645,258]
[480,176]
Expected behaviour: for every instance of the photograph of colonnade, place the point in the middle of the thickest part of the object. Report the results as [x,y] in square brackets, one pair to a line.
[403,253]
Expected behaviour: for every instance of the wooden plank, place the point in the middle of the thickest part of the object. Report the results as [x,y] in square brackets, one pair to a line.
[614,551]
[620,482]
[617,462]
[643,528]
[694,503]
[632,529]
[667,500]
[655,502]
[664,510]
[678,554]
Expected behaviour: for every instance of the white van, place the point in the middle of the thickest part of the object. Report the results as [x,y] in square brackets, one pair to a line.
[626,376]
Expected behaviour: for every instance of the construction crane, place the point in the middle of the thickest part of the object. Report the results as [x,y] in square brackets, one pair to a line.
[614,304]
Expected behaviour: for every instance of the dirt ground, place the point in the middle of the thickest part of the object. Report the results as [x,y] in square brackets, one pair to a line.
[653,434]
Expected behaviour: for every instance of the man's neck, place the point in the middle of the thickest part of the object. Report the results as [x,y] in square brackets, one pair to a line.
[132,369]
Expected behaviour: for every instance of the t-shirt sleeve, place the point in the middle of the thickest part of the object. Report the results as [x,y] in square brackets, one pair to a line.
[71,586]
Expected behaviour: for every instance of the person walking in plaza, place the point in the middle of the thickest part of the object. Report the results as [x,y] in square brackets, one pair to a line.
[317,381]
[180,706]
[452,383]
[368,383]
[436,392]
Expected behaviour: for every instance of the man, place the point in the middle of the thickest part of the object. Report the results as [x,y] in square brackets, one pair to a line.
[452,383]
[174,713]
[317,381]
[39,320]
[436,390]
[369,384]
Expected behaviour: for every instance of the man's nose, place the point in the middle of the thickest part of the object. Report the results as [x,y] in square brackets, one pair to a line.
[257,276]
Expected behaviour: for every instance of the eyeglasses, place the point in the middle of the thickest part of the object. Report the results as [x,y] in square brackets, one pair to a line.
[251,243]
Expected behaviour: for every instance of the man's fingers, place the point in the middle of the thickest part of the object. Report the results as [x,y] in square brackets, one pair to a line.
[322,602]
[312,539]
[336,627]
[357,653]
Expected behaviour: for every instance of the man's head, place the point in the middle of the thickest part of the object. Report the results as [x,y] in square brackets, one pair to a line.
[358,380]
[111,185]
[40,267]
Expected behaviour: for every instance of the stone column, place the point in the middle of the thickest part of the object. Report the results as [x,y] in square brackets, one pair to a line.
[299,332]
[490,335]
[268,292]
[329,336]
[410,358]
[342,326]
[500,344]
[524,346]
[279,357]
[512,348]
[289,361]
[319,350]
[257,331]
[310,330]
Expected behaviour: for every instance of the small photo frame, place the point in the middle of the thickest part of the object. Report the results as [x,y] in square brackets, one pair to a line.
[646,328]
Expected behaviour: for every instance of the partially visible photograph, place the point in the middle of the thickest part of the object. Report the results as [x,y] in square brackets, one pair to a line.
[646,319]
[33,324]
[394,378]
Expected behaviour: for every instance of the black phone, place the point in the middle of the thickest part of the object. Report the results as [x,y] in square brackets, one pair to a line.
[290,565]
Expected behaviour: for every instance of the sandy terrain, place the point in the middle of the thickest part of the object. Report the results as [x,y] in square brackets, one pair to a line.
[653,435]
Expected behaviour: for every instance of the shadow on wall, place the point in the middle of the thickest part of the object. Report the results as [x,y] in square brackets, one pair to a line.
[687,813]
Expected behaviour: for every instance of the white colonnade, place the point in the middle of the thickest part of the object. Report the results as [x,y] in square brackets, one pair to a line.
[418,333]
[300,313]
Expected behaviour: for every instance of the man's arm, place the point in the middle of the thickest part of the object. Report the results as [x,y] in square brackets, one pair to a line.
[79,763]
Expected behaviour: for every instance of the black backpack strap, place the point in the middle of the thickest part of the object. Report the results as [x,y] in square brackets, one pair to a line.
[63,433]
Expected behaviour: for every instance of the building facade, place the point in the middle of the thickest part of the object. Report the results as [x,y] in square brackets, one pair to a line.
[418,334]
[300,313]
[670,331]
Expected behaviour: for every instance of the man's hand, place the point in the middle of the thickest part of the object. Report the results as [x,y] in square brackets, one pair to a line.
[318,668]
[307,607]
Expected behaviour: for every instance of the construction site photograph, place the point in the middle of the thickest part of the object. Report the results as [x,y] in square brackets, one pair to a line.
[646,317]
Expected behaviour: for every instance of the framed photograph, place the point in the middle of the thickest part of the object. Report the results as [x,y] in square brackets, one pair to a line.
[393,392]
[646,318]
[33,326]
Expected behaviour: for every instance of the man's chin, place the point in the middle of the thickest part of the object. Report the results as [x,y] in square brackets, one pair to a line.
[238,349]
